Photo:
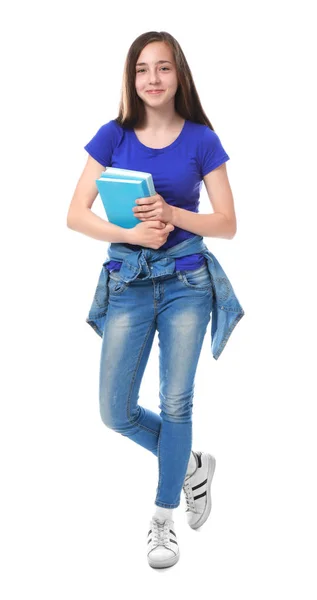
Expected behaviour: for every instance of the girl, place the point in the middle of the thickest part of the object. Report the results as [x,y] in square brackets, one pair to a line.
[160,273]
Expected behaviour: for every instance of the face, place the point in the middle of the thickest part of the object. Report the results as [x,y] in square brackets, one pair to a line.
[156,75]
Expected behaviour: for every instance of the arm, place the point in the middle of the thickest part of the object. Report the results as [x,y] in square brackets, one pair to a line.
[222,222]
[80,216]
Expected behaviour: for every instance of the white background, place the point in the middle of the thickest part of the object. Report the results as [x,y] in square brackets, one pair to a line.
[76,497]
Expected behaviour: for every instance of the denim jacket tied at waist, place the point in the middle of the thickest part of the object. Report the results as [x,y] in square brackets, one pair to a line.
[226,309]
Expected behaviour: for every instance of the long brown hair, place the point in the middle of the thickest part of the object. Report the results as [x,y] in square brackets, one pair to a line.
[187,102]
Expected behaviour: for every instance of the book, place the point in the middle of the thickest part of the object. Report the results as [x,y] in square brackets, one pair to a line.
[119,189]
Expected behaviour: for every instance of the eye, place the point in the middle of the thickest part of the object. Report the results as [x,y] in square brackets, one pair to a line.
[140,70]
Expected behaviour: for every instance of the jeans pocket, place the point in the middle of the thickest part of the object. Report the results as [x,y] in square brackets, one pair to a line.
[116,285]
[197,279]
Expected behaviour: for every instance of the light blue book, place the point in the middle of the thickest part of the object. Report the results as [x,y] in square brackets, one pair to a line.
[119,189]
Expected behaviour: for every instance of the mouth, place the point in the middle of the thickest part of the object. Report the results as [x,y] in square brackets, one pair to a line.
[155,91]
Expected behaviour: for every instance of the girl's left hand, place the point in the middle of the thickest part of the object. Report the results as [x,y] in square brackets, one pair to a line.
[153,208]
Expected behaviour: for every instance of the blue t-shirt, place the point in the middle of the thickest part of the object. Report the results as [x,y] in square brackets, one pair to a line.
[177,170]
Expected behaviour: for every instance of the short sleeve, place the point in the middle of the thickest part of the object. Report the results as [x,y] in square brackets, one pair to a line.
[211,153]
[103,143]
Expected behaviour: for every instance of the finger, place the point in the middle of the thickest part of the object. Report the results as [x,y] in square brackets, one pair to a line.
[148,200]
[158,224]
[140,209]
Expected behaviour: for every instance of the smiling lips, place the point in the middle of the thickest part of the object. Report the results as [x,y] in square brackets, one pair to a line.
[155,91]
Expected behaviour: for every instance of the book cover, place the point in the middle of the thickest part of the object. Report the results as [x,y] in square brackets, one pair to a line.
[118,189]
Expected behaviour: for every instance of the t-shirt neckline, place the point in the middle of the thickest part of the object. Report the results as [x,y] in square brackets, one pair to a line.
[166,148]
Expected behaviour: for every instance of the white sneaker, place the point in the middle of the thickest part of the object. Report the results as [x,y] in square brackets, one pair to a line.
[196,488]
[162,543]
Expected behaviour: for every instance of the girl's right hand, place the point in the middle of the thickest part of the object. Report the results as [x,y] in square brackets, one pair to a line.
[151,234]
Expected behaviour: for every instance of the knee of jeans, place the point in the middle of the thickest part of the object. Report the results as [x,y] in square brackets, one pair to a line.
[176,412]
[105,417]
[118,425]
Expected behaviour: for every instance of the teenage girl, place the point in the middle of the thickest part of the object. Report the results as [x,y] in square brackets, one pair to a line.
[161,129]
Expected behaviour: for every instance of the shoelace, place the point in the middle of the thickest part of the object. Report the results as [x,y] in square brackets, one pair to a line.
[160,532]
[190,502]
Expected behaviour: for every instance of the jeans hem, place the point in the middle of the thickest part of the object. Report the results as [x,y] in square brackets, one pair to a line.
[158,503]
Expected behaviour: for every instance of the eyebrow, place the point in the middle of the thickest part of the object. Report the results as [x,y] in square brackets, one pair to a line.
[159,61]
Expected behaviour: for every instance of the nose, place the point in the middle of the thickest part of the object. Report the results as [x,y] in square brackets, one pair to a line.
[153,77]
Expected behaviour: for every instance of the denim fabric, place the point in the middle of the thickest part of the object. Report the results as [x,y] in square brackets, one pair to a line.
[178,306]
[149,263]
[145,296]
[187,263]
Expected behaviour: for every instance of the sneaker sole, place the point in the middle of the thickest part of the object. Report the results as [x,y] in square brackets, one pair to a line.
[211,470]
[168,562]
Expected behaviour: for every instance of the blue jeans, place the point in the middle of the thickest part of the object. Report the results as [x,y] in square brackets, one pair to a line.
[179,307]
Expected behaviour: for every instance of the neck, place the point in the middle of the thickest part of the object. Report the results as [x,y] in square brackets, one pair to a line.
[160,121]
